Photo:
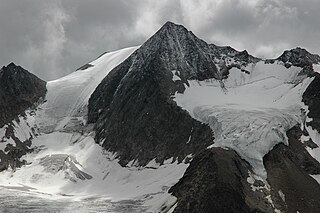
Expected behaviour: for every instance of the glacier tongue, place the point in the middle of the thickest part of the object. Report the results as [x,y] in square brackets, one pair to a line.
[253,112]
[251,133]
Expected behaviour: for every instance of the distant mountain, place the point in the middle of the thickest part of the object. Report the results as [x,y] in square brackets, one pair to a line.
[174,125]
[299,57]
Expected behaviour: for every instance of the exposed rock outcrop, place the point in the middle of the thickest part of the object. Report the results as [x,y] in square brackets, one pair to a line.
[311,98]
[298,57]
[288,169]
[19,90]
[216,181]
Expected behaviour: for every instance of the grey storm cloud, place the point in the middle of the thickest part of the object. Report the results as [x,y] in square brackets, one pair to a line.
[53,38]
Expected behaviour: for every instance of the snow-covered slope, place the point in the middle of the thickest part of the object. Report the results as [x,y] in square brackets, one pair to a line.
[74,165]
[68,96]
[67,161]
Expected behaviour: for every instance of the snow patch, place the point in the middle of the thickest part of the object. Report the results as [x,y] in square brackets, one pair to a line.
[316,177]
[316,68]
[282,195]
[175,76]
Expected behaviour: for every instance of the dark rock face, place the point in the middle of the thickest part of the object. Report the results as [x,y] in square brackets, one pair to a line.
[297,153]
[84,67]
[19,90]
[216,181]
[288,169]
[311,98]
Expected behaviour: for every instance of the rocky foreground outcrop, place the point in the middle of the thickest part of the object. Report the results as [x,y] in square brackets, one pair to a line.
[216,181]
[289,169]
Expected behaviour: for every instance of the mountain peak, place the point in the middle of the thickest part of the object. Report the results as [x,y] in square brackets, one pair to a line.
[11,67]
[19,89]
[172,26]
[169,24]
[295,51]
[172,30]
[176,39]
[299,57]
[180,50]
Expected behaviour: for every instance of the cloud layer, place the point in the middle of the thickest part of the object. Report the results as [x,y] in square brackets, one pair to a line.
[53,38]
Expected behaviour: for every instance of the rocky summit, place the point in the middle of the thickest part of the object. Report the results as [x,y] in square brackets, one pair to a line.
[173,125]
[19,90]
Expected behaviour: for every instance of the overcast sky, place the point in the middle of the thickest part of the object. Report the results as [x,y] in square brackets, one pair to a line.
[53,38]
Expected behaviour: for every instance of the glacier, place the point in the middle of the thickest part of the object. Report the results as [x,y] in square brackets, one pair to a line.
[252,112]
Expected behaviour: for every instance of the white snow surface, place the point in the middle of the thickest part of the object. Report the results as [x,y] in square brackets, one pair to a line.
[109,179]
[316,68]
[66,149]
[22,128]
[175,76]
[253,112]
[68,96]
